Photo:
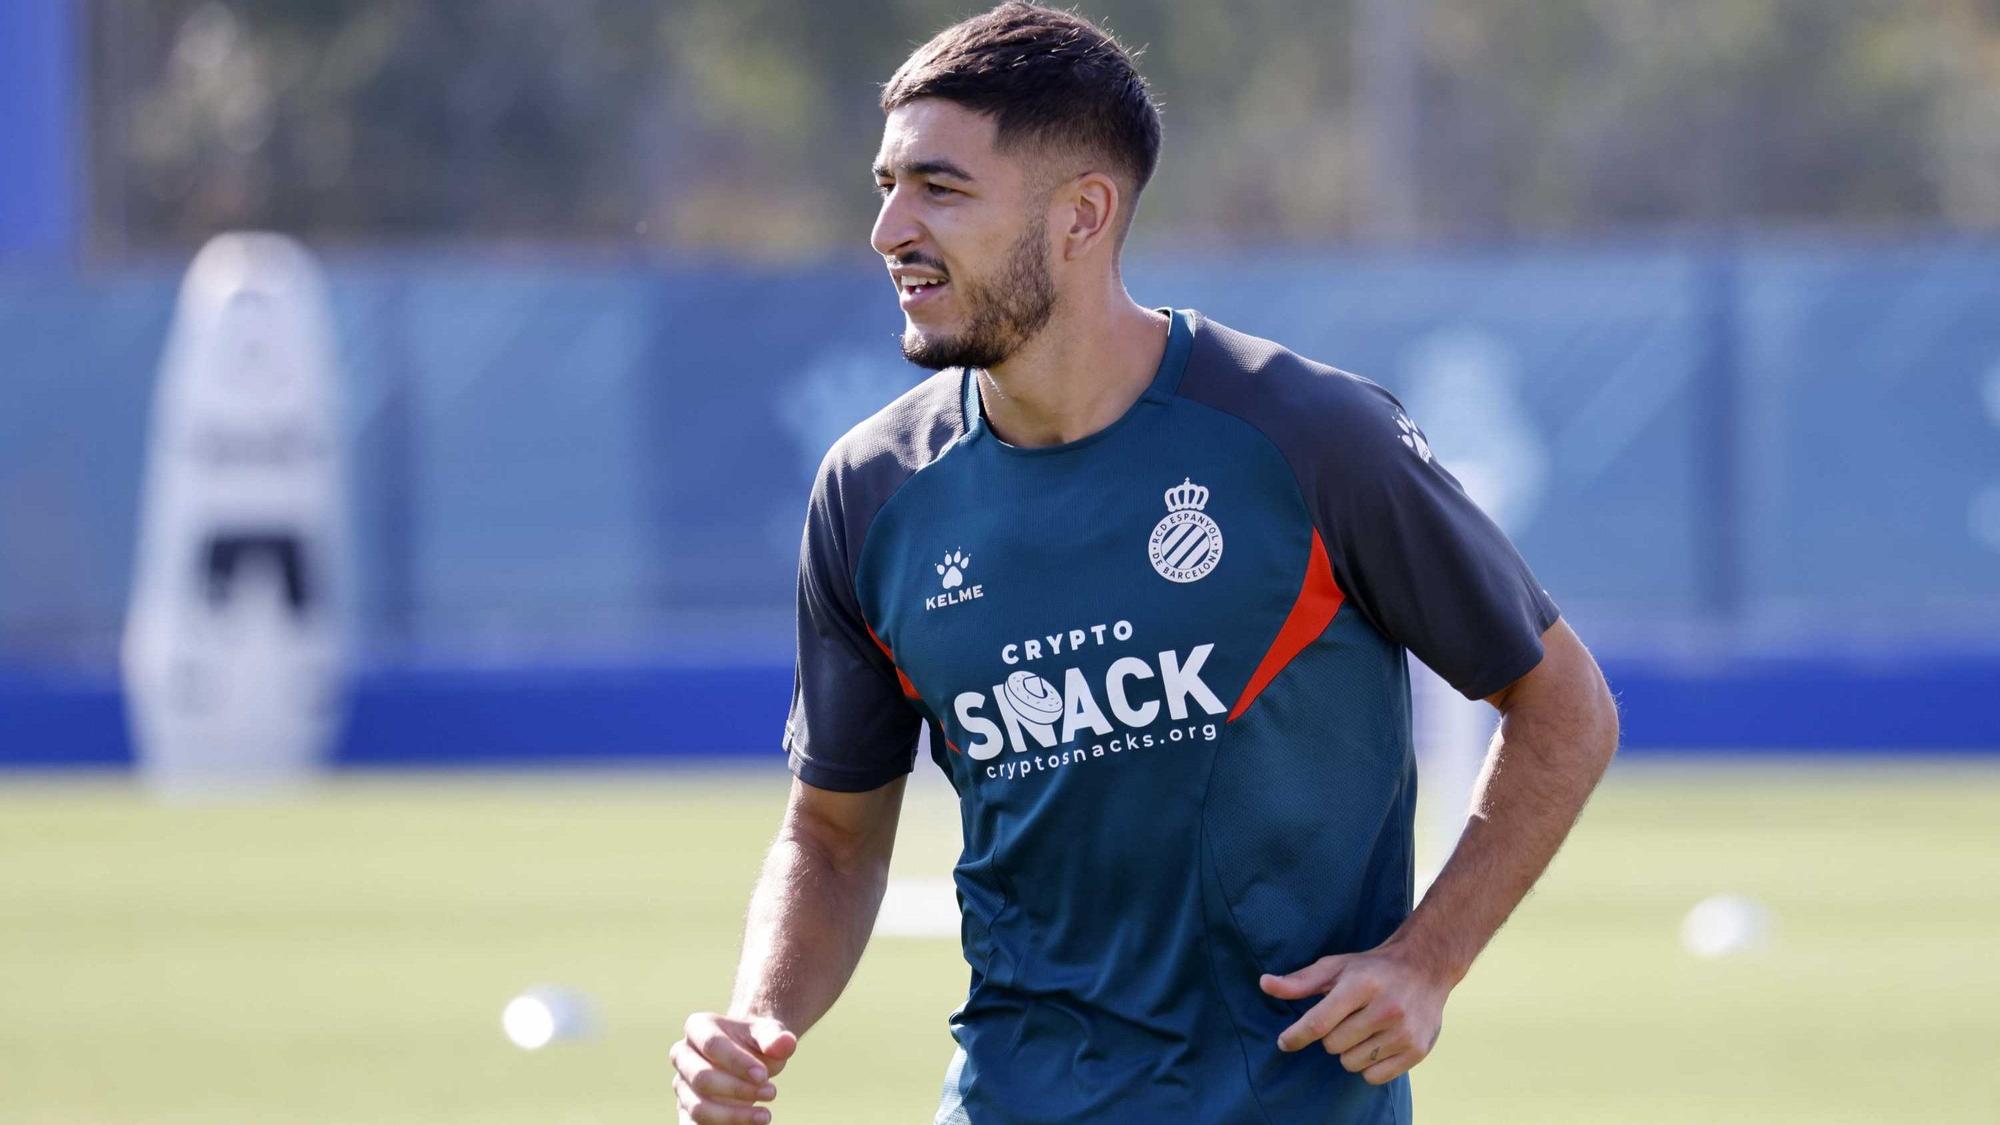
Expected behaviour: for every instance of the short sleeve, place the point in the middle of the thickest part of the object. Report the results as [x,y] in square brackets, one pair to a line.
[1420,559]
[851,728]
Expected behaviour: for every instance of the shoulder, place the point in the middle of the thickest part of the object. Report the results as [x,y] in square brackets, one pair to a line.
[905,435]
[874,459]
[1310,410]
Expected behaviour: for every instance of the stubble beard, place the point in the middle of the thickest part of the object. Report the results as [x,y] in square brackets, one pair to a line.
[1003,314]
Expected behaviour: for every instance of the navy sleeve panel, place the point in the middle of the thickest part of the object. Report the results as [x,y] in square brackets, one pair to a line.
[851,726]
[1408,546]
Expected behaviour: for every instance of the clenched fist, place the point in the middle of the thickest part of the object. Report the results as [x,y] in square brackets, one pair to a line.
[723,1067]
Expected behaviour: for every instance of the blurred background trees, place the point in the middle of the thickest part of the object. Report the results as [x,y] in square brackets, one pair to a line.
[742,127]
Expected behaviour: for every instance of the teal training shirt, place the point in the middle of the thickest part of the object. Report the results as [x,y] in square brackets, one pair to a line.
[1163,667]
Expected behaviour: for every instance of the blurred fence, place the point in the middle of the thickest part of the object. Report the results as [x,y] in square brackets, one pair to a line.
[1763,478]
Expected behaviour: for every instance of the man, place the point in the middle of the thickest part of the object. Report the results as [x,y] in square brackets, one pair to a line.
[1149,581]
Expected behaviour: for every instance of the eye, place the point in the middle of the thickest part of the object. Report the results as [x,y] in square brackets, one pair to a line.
[883,189]
[939,191]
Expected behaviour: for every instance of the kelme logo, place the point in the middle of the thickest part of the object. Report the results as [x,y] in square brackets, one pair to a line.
[951,576]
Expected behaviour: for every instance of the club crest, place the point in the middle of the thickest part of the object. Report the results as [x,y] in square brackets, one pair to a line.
[1187,544]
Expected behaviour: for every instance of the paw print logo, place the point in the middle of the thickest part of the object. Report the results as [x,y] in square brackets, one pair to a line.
[1413,437]
[952,569]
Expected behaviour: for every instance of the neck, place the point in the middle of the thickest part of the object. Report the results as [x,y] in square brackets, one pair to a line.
[1079,374]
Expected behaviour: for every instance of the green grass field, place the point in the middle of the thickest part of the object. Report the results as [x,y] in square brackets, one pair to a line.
[344,957]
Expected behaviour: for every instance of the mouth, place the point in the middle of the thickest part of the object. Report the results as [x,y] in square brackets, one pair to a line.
[915,293]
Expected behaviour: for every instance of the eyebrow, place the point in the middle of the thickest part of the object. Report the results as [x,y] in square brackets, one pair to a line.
[925,168]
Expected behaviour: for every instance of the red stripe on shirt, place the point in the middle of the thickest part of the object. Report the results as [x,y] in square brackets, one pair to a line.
[909,689]
[1318,601]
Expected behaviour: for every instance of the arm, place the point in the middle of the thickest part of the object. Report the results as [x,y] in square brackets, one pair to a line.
[815,903]
[1558,730]
[1384,1007]
[810,917]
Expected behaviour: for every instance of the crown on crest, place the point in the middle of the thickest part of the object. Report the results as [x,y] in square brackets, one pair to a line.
[1186,494]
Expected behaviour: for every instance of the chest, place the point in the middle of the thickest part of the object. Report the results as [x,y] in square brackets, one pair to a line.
[1052,606]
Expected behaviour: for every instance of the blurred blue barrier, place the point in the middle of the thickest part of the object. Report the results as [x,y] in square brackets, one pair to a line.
[41,80]
[646,712]
[1719,458]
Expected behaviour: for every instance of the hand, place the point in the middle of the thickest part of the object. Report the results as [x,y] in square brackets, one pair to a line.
[724,1066]
[1381,1015]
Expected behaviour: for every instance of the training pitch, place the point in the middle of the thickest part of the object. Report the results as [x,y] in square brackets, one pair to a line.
[344,956]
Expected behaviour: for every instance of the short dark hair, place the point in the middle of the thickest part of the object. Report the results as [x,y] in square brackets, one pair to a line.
[1044,75]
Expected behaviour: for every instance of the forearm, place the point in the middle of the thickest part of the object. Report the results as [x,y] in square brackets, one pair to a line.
[810,918]
[1550,751]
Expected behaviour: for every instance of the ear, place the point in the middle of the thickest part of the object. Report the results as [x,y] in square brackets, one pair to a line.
[1091,206]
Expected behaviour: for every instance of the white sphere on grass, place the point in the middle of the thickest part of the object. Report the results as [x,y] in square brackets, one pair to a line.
[1721,925]
[541,1016]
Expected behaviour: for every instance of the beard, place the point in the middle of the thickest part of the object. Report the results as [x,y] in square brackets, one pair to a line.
[1001,315]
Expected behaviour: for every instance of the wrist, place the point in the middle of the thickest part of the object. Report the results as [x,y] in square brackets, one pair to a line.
[1427,955]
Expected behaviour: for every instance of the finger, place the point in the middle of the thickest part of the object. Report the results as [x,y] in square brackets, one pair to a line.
[1301,983]
[684,1096]
[1373,1019]
[709,1113]
[694,1108]
[1390,1068]
[686,1060]
[687,1098]
[1386,1044]
[1326,1015]
[712,1037]
[774,1041]
[714,1084]
[710,1081]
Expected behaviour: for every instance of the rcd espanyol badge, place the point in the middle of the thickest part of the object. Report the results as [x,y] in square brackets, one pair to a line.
[1186,545]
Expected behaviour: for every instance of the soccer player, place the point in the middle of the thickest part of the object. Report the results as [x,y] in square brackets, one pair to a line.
[1149,581]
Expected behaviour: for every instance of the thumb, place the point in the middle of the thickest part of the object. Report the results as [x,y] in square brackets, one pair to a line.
[773,1039]
[1300,983]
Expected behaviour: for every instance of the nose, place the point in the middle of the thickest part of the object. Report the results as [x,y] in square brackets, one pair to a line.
[896,229]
